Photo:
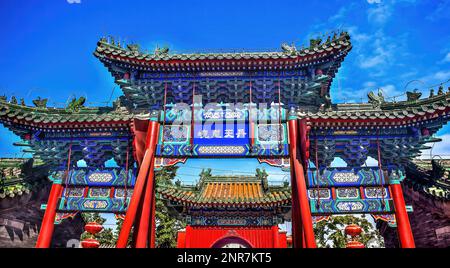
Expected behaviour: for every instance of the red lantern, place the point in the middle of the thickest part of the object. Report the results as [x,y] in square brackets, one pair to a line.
[289,240]
[355,244]
[90,243]
[93,227]
[353,230]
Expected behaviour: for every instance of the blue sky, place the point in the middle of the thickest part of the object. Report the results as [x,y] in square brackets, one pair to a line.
[47,45]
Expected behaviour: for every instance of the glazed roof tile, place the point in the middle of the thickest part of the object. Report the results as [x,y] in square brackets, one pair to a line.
[112,50]
[34,115]
[422,178]
[389,110]
[12,178]
[230,190]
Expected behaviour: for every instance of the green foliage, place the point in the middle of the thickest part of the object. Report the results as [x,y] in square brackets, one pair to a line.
[167,226]
[119,223]
[331,233]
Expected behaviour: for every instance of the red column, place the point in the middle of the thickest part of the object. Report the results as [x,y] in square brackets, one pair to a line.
[48,222]
[145,221]
[153,223]
[139,186]
[403,226]
[181,239]
[297,232]
[141,229]
[299,185]
[276,236]
[187,236]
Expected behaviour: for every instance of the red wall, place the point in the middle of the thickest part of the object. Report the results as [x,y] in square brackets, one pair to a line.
[206,237]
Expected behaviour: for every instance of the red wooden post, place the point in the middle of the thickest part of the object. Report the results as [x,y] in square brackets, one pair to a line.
[147,207]
[48,222]
[303,241]
[153,223]
[181,239]
[276,236]
[144,219]
[187,237]
[299,185]
[147,162]
[297,232]
[403,225]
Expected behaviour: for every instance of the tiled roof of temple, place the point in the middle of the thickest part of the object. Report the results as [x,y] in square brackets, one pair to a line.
[12,178]
[379,113]
[431,178]
[55,117]
[337,46]
[228,191]
[402,111]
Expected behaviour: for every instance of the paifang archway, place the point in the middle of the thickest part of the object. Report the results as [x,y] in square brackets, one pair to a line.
[298,124]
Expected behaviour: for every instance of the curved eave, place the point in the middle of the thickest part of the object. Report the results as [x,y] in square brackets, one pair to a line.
[388,115]
[421,182]
[55,118]
[179,197]
[432,191]
[334,52]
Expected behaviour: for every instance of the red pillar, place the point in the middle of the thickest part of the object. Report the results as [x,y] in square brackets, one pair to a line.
[141,229]
[297,232]
[299,186]
[48,222]
[403,226]
[187,237]
[276,236]
[181,239]
[146,223]
[153,223]
[139,186]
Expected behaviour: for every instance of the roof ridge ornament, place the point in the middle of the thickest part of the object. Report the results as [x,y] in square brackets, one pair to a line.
[441,90]
[40,103]
[289,49]
[262,175]
[162,51]
[13,100]
[376,101]
[315,42]
[134,47]
[414,95]
[75,105]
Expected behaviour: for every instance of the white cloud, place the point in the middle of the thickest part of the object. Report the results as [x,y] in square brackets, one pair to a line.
[350,95]
[379,14]
[374,1]
[442,11]
[356,35]
[435,78]
[381,51]
[442,75]
[447,58]
[342,13]
[74,1]
[369,84]
[377,53]
[439,149]
[389,90]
